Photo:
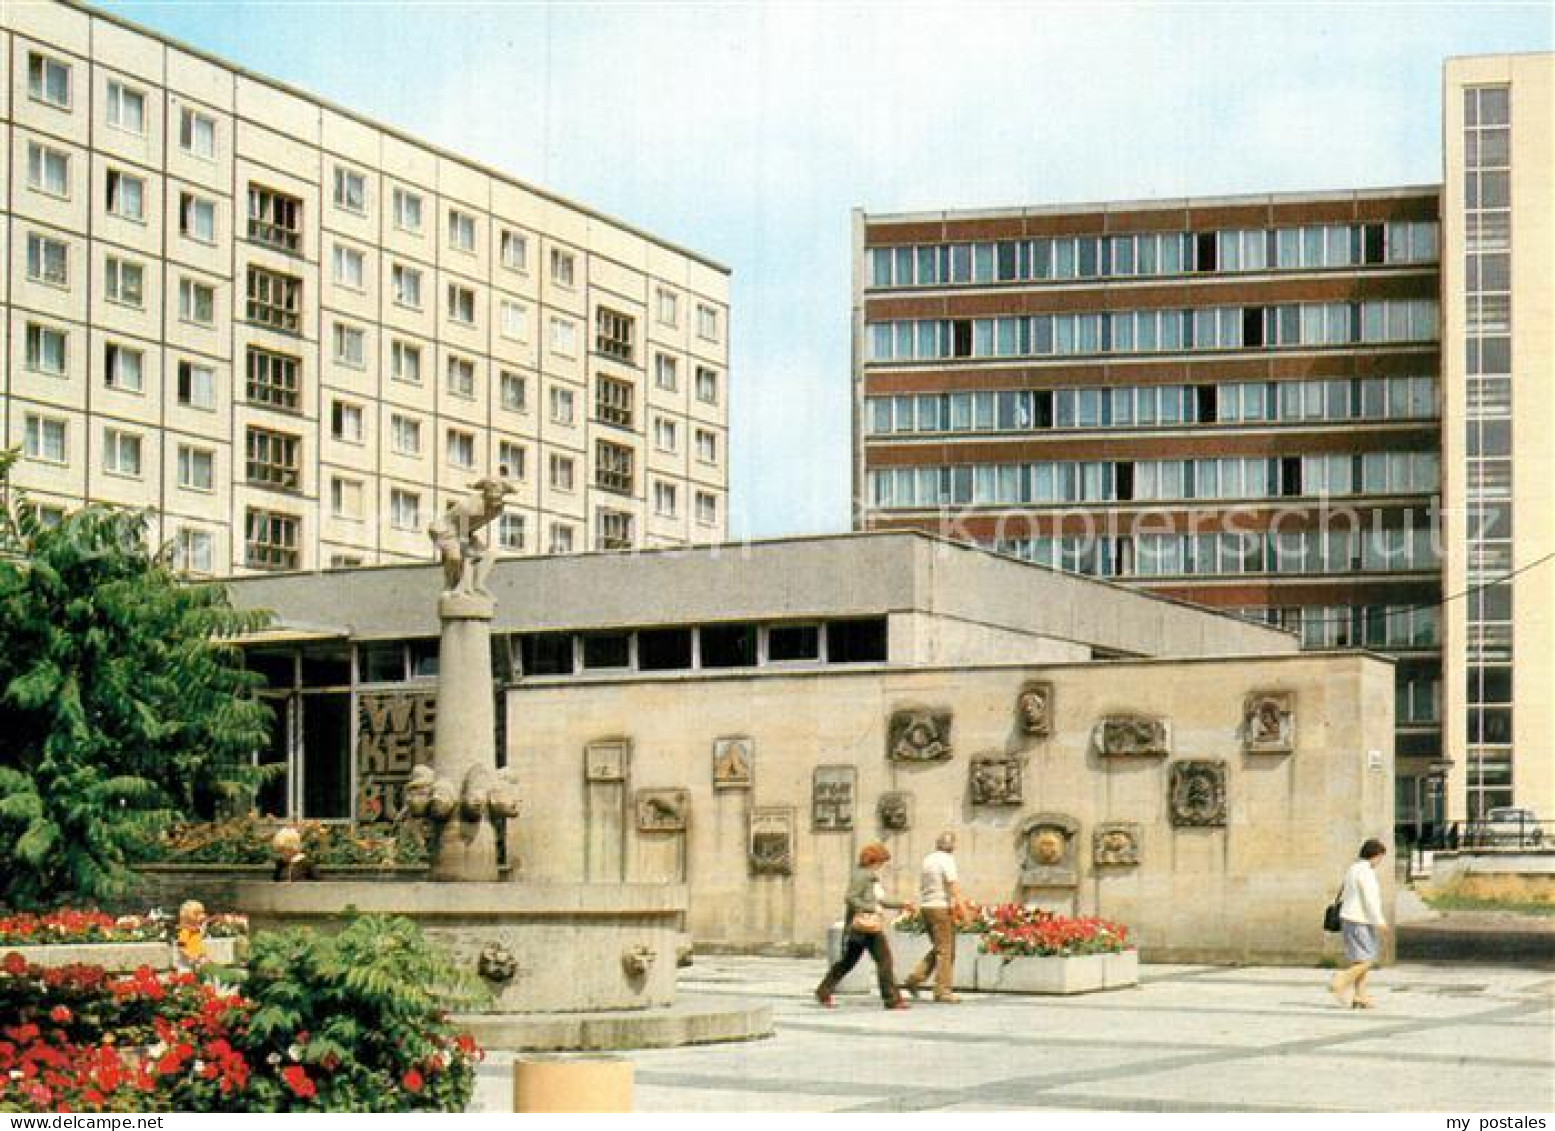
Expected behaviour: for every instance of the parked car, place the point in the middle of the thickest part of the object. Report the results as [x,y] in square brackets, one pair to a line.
[1512,827]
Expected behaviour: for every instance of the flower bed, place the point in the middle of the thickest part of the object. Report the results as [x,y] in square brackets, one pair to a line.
[70,927]
[246,840]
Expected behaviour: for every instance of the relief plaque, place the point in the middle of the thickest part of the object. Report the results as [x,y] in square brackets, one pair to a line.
[771,845]
[996,779]
[1047,851]
[1269,722]
[1115,844]
[918,735]
[1198,794]
[1034,709]
[831,798]
[606,760]
[1133,736]
[663,810]
[732,761]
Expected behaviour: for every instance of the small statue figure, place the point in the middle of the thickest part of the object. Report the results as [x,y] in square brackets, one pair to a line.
[459,542]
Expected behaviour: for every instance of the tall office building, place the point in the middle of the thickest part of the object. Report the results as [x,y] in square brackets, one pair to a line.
[1498,367]
[296,335]
[1229,401]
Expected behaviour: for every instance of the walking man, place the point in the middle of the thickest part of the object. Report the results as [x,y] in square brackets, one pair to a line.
[939,898]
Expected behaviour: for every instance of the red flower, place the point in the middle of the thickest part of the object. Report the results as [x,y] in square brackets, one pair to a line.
[15,965]
[414,1081]
[296,1077]
[60,1013]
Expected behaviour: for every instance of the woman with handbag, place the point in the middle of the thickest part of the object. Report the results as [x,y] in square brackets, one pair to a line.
[1361,923]
[865,930]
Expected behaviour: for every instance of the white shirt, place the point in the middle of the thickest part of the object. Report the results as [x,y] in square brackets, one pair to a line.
[939,872]
[1361,899]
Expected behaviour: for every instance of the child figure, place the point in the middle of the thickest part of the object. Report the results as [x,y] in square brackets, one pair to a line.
[190,954]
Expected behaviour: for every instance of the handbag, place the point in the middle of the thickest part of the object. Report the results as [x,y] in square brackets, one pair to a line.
[866,923]
[1331,921]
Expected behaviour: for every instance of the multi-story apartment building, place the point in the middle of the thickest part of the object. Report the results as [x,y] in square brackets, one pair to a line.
[1229,401]
[296,335]
[1498,368]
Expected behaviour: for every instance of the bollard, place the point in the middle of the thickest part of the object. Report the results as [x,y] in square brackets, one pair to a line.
[563,1084]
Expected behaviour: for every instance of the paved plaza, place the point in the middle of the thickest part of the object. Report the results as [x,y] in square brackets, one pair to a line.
[1189,1038]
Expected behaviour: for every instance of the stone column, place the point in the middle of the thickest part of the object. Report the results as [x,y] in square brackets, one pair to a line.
[464,745]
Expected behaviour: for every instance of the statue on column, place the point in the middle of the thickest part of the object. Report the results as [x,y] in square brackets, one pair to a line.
[460,544]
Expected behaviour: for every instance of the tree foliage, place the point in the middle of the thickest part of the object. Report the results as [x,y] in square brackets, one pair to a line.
[123,703]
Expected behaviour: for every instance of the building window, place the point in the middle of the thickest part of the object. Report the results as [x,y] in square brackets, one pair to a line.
[272,379]
[48,80]
[666,372]
[666,436]
[197,218]
[126,195]
[461,230]
[405,433]
[613,467]
[514,391]
[461,377]
[707,322]
[510,531]
[515,250]
[345,497]
[196,468]
[196,302]
[707,385]
[48,169]
[561,539]
[404,509]
[561,472]
[350,267]
[274,300]
[707,508]
[564,337]
[614,530]
[405,282]
[407,210]
[613,334]
[46,349]
[274,219]
[461,449]
[461,304]
[561,267]
[197,134]
[344,561]
[274,459]
[346,422]
[123,368]
[562,401]
[196,386]
[124,282]
[350,190]
[126,108]
[270,540]
[194,551]
[512,459]
[45,439]
[48,260]
[405,362]
[350,345]
[668,307]
[613,401]
[515,321]
[665,499]
[121,453]
[707,446]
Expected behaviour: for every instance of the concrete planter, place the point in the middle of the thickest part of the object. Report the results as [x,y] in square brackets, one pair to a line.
[907,951]
[123,957]
[1077,974]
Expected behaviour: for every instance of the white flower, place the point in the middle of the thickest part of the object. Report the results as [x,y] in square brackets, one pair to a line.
[295,1052]
[273,1058]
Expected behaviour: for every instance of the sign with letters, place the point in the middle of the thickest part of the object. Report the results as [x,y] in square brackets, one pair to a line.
[394,734]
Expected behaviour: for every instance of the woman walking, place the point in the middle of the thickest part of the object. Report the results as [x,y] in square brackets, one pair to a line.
[1361,925]
[865,930]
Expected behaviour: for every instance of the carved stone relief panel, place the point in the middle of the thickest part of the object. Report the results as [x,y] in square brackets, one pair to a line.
[1133,736]
[1115,843]
[663,810]
[831,798]
[607,759]
[1198,793]
[733,759]
[1034,709]
[996,779]
[918,735]
[895,811]
[1048,854]
[1269,722]
[771,845]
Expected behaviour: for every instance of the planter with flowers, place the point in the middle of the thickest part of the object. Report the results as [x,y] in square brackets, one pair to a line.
[116,943]
[1029,951]
[910,942]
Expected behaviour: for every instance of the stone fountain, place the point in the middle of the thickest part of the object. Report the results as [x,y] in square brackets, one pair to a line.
[568,966]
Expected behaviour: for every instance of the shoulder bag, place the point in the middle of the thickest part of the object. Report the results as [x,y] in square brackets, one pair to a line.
[1331,921]
[866,923]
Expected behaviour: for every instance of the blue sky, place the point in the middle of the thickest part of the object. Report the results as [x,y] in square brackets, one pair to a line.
[749,132]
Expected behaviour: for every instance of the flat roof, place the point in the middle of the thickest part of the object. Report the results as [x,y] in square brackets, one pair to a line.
[393,131]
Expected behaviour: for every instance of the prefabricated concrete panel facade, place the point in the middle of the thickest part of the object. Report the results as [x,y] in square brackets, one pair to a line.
[1250,891]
